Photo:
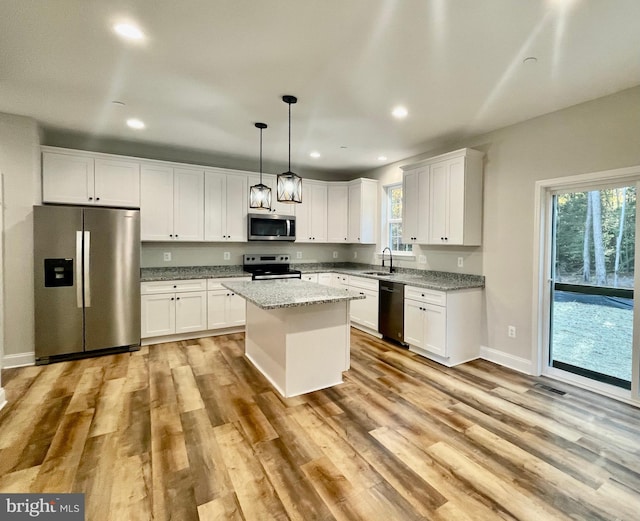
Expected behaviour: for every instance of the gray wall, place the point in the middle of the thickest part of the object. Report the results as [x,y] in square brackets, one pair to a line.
[595,136]
[20,166]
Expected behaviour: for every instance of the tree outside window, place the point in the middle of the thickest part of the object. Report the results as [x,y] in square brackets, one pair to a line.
[394,219]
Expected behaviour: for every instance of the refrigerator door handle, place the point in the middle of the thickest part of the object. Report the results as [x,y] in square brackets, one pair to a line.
[87,269]
[79,268]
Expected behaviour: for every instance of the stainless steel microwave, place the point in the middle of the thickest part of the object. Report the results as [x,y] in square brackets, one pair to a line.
[270,227]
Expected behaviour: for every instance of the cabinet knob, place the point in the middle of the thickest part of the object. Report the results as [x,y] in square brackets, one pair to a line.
[172,298]
[176,235]
[171,235]
[177,298]
[175,286]
[97,198]
[90,198]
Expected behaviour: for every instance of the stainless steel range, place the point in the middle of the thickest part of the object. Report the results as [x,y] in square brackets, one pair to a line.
[269,266]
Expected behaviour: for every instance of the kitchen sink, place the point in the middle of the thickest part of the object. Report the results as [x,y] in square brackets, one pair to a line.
[379,273]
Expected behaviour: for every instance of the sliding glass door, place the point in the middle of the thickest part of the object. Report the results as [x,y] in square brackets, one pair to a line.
[592,281]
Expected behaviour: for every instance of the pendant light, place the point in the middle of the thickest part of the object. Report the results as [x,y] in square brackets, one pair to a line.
[260,194]
[289,184]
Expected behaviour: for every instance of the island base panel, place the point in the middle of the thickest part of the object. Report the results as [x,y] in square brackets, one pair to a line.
[299,349]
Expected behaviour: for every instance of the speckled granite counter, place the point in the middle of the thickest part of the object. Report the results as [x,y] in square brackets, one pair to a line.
[287,293]
[438,280]
[191,272]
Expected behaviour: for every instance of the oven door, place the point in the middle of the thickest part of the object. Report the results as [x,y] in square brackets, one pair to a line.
[271,227]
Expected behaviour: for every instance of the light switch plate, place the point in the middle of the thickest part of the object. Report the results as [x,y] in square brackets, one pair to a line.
[335,254]
[422,259]
[166,256]
[226,255]
[298,255]
[460,262]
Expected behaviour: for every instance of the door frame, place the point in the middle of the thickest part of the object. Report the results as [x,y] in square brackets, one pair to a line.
[542,245]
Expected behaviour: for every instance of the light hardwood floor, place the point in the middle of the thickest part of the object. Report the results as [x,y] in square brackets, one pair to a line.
[190,430]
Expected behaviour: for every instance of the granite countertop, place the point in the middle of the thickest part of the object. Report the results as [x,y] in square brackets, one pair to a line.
[287,293]
[436,280]
[191,272]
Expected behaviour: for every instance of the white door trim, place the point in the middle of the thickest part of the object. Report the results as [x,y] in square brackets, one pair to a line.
[541,264]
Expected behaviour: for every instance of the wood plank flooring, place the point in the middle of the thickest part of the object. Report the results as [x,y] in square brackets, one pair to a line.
[191,430]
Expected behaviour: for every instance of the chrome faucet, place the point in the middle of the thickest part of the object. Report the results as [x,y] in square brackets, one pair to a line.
[390,259]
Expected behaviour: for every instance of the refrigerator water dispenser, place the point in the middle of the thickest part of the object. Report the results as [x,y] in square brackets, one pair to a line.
[58,272]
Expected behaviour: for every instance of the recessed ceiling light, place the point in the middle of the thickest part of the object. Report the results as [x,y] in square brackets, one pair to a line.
[530,60]
[399,112]
[128,31]
[135,123]
[118,103]
[382,158]
[315,154]
[343,146]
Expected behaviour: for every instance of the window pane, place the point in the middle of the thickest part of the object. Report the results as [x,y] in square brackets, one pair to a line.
[395,202]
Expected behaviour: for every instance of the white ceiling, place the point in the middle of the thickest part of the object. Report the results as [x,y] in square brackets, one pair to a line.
[209,69]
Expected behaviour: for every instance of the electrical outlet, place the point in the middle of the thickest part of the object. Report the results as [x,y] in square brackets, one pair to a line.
[355,254]
[166,256]
[298,255]
[335,254]
[422,259]
[511,331]
[460,262]
[226,255]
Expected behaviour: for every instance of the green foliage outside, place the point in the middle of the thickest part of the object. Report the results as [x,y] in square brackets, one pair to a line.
[574,263]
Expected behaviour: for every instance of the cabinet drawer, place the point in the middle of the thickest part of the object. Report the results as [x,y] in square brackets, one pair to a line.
[364,283]
[168,286]
[428,296]
[213,284]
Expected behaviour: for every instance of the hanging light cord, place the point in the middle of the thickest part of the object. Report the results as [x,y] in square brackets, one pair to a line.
[289,137]
[261,156]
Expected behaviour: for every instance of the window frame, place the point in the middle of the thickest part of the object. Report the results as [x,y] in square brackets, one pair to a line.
[388,221]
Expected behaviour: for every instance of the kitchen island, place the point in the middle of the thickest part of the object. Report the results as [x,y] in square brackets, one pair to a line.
[297,332]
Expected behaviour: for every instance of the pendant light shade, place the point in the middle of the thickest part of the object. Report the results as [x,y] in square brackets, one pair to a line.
[289,183]
[260,194]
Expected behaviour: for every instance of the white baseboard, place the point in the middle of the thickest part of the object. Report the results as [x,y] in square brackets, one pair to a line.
[516,363]
[19,360]
[3,398]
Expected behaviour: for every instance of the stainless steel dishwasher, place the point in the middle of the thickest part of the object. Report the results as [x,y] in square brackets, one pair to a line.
[391,310]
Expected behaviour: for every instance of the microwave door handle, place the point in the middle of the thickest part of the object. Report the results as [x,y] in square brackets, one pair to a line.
[288,227]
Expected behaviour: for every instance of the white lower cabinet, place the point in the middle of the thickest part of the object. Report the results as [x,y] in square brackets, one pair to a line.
[443,326]
[173,307]
[224,307]
[364,312]
[310,277]
[325,279]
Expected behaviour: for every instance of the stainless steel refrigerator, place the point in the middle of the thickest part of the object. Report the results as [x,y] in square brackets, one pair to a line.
[86,281]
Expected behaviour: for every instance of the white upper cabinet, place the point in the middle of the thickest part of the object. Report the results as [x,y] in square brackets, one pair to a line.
[443,199]
[225,206]
[363,211]
[89,180]
[172,204]
[311,214]
[415,205]
[338,212]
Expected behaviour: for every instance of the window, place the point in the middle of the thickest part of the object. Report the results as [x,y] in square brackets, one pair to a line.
[394,219]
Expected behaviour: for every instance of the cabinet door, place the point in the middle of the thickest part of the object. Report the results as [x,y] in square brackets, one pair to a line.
[215,206]
[216,303]
[191,311]
[354,213]
[435,329]
[410,205]
[365,311]
[236,310]
[236,208]
[67,179]
[438,203]
[156,203]
[317,193]
[117,183]
[158,315]
[456,202]
[413,323]
[303,219]
[337,212]
[188,205]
